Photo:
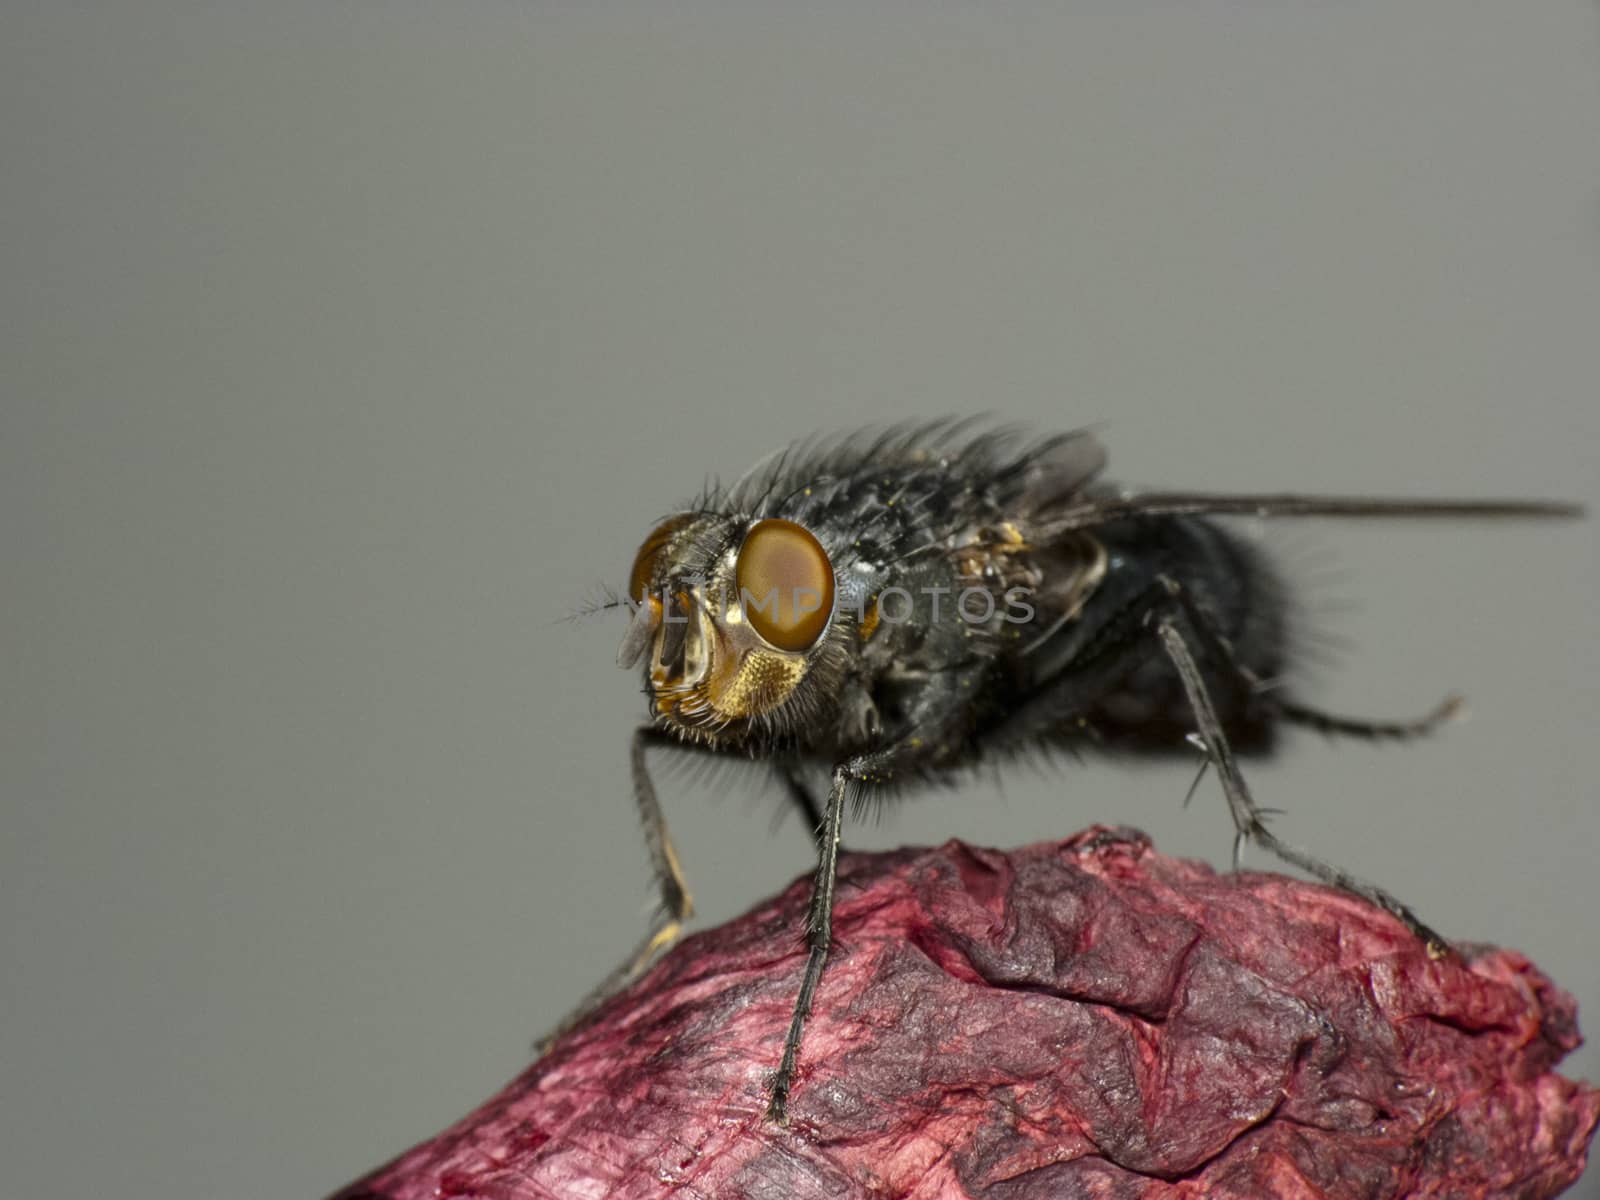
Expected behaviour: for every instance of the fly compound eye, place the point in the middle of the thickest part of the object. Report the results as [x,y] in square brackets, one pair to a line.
[785,583]
[644,563]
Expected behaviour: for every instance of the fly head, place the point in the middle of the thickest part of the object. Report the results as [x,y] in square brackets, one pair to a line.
[736,622]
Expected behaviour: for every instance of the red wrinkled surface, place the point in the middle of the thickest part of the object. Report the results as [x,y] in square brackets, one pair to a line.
[1076,1019]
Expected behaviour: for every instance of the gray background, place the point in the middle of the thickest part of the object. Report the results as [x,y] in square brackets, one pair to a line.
[347,345]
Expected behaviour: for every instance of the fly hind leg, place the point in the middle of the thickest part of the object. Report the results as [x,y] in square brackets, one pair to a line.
[1374,731]
[1175,621]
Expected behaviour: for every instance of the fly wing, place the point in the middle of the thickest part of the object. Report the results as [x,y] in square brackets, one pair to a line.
[1086,512]
[1052,476]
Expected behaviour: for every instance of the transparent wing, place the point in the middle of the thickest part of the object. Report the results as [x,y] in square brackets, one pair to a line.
[1054,474]
[1086,512]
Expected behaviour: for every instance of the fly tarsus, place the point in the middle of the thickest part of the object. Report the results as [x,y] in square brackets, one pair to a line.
[664,931]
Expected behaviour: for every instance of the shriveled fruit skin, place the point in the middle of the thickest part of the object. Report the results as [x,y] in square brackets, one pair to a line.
[1085,1018]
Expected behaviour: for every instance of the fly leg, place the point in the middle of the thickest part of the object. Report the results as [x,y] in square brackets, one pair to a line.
[800,796]
[1328,723]
[1399,731]
[1167,611]
[1171,621]
[931,736]
[819,938]
[676,906]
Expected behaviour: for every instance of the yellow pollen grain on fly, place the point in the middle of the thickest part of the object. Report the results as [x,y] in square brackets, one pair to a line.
[869,623]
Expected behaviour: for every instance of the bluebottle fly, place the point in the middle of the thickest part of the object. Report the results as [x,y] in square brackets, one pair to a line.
[896,605]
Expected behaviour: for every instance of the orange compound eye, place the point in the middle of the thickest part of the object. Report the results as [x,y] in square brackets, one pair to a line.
[785,584]
[644,563]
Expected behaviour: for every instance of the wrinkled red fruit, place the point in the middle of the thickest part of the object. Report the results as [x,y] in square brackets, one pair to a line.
[1082,1019]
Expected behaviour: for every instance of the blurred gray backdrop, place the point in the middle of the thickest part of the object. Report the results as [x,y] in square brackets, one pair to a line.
[346,346]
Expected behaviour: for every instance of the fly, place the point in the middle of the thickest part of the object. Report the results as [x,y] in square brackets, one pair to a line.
[900,604]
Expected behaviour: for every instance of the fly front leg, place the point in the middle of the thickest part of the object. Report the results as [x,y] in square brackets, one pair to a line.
[819,938]
[851,778]
[675,905]
[1175,622]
